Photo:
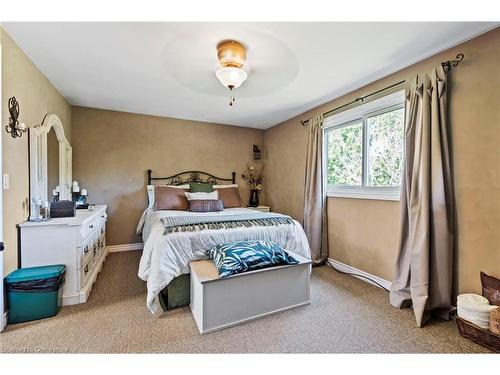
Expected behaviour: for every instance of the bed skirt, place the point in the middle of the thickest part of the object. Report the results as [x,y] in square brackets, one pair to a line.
[176,293]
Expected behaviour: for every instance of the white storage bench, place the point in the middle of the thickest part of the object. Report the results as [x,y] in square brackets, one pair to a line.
[220,303]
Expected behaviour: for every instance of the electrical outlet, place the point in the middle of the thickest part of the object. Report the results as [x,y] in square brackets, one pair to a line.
[6,182]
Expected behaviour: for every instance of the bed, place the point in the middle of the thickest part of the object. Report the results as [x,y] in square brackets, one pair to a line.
[164,264]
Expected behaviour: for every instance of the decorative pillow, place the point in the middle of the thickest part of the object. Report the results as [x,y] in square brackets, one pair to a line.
[200,187]
[230,196]
[202,196]
[170,198]
[491,288]
[151,192]
[241,256]
[206,205]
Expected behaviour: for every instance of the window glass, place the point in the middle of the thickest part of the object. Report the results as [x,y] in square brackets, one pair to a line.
[345,155]
[385,148]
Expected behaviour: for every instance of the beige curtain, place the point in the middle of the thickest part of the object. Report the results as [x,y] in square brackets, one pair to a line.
[314,195]
[425,259]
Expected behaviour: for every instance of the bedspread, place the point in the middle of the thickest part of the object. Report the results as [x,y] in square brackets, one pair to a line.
[167,256]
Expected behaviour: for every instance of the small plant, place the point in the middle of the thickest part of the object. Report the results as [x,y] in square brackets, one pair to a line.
[253,177]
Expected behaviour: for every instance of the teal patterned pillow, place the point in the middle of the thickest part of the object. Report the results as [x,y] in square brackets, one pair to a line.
[241,256]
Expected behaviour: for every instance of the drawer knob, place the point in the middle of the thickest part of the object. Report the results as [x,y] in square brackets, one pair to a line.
[86,269]
[91,226]
[102,216]
[86,250]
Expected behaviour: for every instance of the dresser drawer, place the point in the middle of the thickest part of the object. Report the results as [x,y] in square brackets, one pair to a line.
[86,270]
[86,251]
[89,246]
[91,261]
[94,241]
[93,225]
[101,238]
[102,234]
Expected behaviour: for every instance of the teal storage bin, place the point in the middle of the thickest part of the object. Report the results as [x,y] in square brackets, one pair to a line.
[34,293]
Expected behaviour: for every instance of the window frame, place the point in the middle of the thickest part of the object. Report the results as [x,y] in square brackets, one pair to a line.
[361,114]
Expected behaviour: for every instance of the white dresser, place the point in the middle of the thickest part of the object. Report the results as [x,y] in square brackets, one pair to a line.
[78,242]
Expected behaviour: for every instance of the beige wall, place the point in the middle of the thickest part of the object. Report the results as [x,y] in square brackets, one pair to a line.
[36,97]
[364,233]
[113,150]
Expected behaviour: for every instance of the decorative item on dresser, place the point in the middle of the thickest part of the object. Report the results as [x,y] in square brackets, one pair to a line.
[78,242]
[62,209]
[79,196]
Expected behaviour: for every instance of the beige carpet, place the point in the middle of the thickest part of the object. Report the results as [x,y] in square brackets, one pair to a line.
[346,315]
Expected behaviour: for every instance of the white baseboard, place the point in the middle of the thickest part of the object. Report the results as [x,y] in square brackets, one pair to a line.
[357,272]
[125,247]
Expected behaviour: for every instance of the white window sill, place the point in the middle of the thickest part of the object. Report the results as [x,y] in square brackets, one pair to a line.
[386,194]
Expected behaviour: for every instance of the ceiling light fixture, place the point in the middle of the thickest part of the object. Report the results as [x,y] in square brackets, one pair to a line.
[231,55]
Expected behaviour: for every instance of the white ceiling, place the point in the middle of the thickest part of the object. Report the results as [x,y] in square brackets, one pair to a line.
[168,69]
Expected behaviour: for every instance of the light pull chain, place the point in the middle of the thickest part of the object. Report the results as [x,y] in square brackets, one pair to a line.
[231,97]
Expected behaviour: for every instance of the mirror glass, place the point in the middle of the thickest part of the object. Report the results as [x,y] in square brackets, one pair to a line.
[52,163]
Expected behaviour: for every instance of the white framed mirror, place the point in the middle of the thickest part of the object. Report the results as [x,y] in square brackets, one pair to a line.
[50,161]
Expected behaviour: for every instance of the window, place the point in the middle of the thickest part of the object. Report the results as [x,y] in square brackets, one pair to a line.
[345,155]
[364,149]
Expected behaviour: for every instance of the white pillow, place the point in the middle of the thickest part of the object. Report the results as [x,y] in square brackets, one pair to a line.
[202,196]
[151,192]
[224,186]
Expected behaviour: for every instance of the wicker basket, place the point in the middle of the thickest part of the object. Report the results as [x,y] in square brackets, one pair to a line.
[479,335]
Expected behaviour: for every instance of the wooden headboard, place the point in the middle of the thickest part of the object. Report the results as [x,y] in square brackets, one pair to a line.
[190,176]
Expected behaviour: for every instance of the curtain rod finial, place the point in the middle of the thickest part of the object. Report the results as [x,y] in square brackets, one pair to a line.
[459,58]
[453,63]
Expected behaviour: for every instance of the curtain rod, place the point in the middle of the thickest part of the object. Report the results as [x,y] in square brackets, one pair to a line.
[445,64]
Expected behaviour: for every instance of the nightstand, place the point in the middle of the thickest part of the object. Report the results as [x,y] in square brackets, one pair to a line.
[260,208]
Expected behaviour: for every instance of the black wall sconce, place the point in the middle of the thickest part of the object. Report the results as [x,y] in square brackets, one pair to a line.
[15,128]
[256,152]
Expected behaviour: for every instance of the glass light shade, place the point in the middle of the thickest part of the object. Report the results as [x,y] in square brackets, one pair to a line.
[231,77]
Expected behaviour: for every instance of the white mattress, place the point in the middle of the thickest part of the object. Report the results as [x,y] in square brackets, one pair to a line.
[167,256]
